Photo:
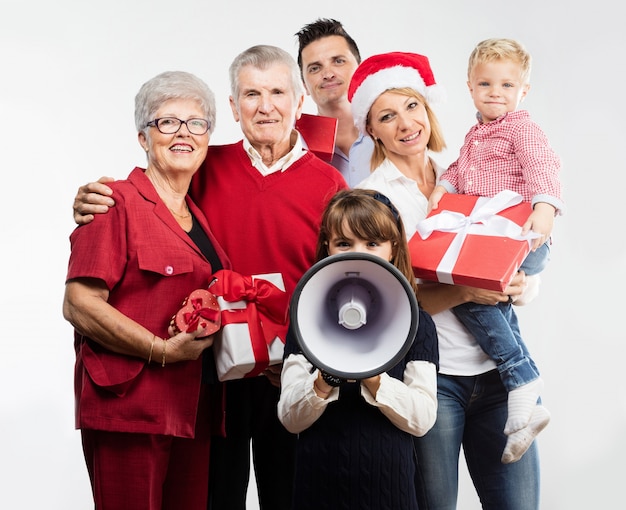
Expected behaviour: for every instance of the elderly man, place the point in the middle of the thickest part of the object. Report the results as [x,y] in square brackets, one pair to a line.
[270,196]
[263,197]
[328,57]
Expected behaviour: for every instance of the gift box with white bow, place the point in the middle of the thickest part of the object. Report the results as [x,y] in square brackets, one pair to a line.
[473,241]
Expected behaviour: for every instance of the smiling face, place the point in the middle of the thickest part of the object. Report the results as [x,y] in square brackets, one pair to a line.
[179,152]
[400,122]
[267,105]
[496,88]
[327,67]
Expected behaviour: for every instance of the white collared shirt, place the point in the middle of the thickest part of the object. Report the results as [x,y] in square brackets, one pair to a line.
[296,152]
[402,191]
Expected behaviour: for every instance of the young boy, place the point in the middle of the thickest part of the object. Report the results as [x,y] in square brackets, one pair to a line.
[507,150]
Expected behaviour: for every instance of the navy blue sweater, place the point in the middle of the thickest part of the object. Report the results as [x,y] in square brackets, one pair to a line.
[353,457]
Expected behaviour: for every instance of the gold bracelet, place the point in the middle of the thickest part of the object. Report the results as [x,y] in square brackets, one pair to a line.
[164,347]
[151,349]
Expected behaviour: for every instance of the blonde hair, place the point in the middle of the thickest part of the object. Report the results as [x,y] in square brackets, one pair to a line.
[493,50]
[436,142]
[371,216]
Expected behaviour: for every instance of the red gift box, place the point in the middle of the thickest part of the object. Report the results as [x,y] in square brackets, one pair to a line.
[199,310]
[473,241]
[319,134]
[254,323]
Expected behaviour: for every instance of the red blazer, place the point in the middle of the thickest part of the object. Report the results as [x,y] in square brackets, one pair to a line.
[149,265]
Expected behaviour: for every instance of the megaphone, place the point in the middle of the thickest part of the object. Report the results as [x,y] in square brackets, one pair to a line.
[354,315]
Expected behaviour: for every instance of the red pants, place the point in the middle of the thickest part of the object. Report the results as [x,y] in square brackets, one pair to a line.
[147,472]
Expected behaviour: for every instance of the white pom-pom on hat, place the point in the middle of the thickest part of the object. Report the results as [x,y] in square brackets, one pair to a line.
[385,71]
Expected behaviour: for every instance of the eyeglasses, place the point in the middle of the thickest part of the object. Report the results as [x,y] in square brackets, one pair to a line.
[171,125]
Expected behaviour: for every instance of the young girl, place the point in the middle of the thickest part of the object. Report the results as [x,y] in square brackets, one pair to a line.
[355,446]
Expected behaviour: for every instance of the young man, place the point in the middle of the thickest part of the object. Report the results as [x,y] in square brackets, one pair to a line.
[328,57]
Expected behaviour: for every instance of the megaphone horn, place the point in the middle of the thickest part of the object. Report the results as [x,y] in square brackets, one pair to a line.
[354,315]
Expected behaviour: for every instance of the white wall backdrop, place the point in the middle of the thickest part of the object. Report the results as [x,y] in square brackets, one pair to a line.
[69,73]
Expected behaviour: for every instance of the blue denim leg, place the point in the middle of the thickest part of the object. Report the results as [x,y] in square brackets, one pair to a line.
[537,260]
[496,330]
[472,412]
[511,318]
[438,451]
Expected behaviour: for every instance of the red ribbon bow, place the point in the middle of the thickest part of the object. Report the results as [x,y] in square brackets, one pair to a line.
[265,313]
[193,318]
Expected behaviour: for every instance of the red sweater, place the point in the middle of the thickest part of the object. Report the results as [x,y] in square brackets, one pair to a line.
[265,224]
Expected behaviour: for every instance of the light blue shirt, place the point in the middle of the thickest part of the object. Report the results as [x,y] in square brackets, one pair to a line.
[355,166]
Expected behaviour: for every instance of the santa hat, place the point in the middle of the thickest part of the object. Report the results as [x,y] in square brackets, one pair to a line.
[386,71]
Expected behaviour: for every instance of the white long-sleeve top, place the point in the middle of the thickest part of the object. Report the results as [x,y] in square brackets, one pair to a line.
[411,404]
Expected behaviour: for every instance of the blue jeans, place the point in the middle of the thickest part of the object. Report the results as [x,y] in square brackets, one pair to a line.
[496,330]
[536,261]
[472,412]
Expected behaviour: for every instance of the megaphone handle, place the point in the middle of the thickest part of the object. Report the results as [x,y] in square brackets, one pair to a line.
[331,380]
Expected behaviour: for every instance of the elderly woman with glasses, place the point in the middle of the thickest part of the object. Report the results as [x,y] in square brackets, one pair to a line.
[141,403]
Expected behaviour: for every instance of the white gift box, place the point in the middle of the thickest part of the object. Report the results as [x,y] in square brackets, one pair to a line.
[243,349]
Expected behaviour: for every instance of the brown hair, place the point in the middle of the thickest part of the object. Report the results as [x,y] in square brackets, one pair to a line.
[369,215]
[320,28]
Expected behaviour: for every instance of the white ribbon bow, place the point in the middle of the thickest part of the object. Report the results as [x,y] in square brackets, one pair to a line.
[482,221]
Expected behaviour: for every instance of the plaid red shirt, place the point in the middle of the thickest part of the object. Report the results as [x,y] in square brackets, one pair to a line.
[511,152]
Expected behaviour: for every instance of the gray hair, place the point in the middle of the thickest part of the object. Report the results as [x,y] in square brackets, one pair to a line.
[172,85]
[262,57]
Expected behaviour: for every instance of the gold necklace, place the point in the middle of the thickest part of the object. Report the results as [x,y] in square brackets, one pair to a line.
[188,215]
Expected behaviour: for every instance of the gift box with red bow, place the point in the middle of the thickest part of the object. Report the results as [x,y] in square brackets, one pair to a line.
[473,241]
[199,310]
[254,323]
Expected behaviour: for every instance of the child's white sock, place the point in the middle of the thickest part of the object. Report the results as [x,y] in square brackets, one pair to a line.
[521,403]
[518,442]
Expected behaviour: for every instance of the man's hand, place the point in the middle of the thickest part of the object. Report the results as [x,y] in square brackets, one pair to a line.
[92,198]
[273,374]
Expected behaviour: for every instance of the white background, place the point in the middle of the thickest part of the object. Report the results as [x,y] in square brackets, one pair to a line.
[70,70]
